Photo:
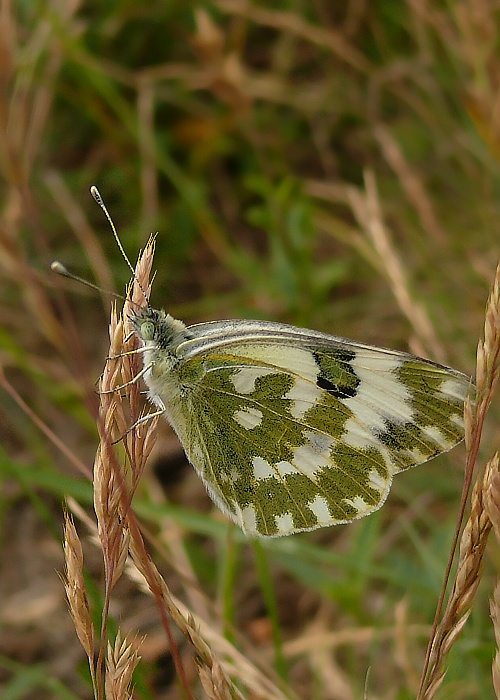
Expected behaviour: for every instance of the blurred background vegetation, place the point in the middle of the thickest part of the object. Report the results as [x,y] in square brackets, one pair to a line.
[328,164]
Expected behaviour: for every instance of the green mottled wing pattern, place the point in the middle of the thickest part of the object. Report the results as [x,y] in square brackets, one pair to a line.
[294,436]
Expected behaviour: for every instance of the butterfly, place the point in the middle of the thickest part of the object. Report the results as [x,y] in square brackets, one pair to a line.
[292,429]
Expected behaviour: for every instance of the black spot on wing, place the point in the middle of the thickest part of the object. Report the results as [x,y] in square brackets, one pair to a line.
[336,374]
[332,389]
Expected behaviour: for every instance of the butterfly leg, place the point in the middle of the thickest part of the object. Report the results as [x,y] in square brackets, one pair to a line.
[132,381]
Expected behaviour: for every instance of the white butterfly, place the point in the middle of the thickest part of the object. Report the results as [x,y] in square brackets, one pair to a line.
[293,429]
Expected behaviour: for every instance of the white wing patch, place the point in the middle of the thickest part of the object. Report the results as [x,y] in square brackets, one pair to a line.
[376,481]
[248,418]
[321,442]
[284,468]
[303,396]
[458,420]
[358,504]
[284,523]
[309,461]
[436,435]
[380,395]
[244,379]
[249,519]
[291,359]
[262,469]
[319,507]
[453,387]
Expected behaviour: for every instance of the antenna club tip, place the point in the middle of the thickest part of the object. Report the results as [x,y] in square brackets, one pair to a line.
[96,194]
[58,267]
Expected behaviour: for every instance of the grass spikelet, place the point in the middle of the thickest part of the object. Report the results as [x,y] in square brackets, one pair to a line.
[214,682]
[121,661]
[487,374]
[74,585]
[139,441]
[492,495]
[76,593]
[107,475]
[113,487]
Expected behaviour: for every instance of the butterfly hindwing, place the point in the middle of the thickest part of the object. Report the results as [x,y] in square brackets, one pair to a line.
[276,466]
[291,430]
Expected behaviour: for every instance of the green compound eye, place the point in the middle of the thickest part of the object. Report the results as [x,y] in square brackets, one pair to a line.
[148,330]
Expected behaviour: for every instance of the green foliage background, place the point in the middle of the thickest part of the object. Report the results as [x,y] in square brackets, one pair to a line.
[332,165]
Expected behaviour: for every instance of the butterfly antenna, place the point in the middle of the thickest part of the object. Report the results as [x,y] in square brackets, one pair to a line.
[58,267]
[97,196]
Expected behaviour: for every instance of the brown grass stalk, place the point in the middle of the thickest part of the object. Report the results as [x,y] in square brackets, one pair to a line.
[495,618]
[114,485]
[411,183]
[446,630]
[492,502]
[212,648]
[119,531]
[292,23]
[467,578]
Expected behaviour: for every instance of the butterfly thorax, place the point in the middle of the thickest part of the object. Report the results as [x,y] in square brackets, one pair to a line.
[160,335]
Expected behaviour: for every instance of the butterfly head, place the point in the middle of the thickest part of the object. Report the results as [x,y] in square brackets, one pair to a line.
[157,329]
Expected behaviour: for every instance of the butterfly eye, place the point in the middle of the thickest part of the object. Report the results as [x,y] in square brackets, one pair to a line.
[148,330]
